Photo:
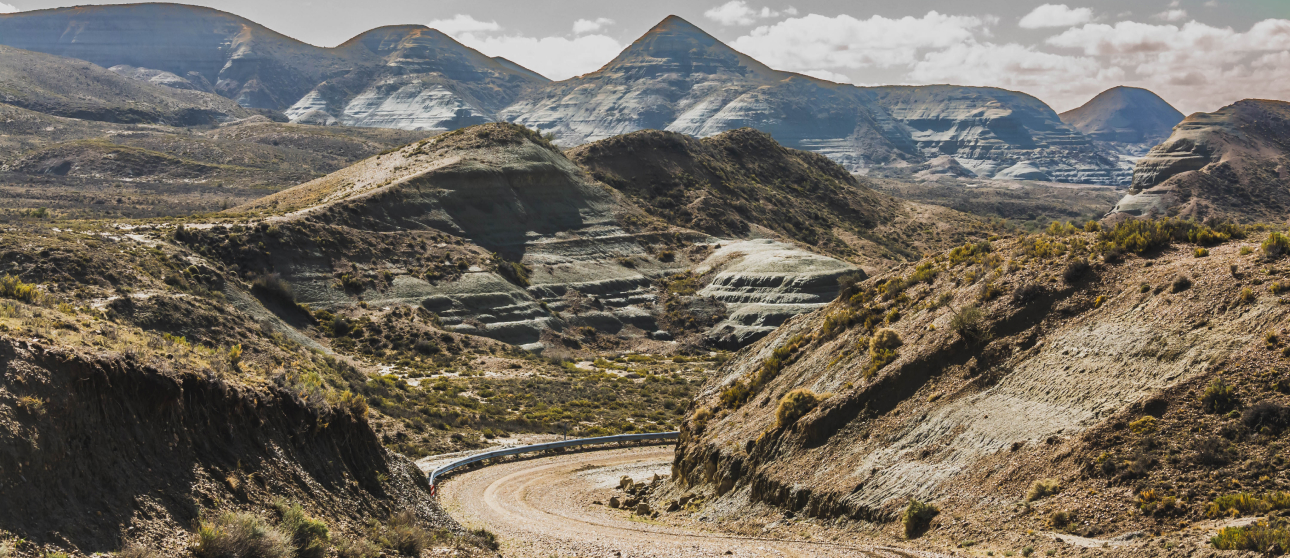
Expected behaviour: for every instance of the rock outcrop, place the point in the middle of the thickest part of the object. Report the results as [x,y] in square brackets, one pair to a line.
[1233,163]
[763,283]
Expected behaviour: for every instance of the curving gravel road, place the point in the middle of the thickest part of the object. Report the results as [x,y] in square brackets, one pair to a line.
[542,508]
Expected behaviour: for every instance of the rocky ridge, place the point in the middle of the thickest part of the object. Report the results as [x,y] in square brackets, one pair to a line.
[965,385]
[1230,164]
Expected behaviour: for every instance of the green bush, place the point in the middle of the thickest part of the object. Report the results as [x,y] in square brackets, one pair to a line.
[917,516]
[1262,536]
[308,535]
[1180,283]
[1244,503]
[1043,488]
[1061,520]
[402,534]
[12,287]
[357,548]
[272,286]
[514,272]
[969,322]
[1219,397]
[240,535]
[794,405]
[1275,246]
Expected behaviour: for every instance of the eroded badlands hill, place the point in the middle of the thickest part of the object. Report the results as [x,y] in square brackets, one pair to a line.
[387,69]
[1230,164]
[1130,118]
[76,89]
[1087,358]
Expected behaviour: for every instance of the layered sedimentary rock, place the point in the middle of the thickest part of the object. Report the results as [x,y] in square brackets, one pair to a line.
[425,81]
[678,78]
[1232,163]
[77,89]
[763,283]
[998,133]
[261,68]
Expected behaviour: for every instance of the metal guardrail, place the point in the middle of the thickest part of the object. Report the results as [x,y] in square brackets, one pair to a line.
[549,446]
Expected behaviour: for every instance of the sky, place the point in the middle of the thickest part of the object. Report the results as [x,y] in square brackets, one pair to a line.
[1199,55]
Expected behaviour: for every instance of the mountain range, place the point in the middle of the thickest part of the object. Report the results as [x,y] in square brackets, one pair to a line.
[676,77]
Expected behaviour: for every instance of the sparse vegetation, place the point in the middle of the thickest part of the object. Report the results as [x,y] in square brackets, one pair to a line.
[1219,397]
[240,535]
[1261,536]
[794,405]
[969,322]
[1275,246]
[1043,488]
[917,516]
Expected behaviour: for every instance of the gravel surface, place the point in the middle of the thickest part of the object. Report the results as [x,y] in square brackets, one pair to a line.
[543,507]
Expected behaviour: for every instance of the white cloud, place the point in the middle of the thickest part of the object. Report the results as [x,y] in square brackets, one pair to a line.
[815,42]
[554,57]
[7,8]
[588,25]
[1172,15]
[1202,66]
[1014,66]
[1055,15]
[462,23]
[737,12]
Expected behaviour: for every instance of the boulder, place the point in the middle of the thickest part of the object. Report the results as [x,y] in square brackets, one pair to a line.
[614,503]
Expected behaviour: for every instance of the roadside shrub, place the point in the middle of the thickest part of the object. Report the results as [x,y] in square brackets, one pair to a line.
[514,272]
[357,548]
[130,551]
[1266,414]
[1202,253]
[308,535]
[1043,488]
[1261,536]
[486,538]
[917,516]
[1247,296]
[1219,397]
[1145,426]
[848,283]
[1061,520]
[1075,270]
[1152,503]
[924,273]
[1275,246]
[968,252]
[12,287]
[1244,503]
[274,287]
[969,322]
[240,535]
[403,535]
[1092,226]
[794,405]
[1180,283]
[1026,293]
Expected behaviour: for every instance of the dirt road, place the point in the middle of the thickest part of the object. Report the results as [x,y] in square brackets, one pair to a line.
[543,508]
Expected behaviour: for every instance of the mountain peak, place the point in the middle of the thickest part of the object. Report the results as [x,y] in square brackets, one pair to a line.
[1126,115]
[677,46]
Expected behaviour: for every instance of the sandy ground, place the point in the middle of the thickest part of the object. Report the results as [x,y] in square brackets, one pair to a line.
[543,507]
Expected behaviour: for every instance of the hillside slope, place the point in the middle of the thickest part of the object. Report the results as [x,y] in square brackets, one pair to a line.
[741,182]
[1230,164]
[77,89]
[963,380]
